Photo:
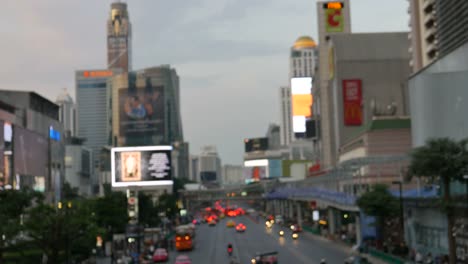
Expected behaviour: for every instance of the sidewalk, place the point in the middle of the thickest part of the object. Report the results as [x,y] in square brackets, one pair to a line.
[344,247]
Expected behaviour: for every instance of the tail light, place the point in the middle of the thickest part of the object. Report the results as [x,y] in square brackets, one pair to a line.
[187,237]
[178,238]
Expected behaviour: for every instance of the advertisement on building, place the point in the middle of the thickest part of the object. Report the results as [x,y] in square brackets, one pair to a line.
[255,144]
[141,166]
[255,170]
[352,102]
[117,48]
[141,112]
[31,152]
[275,168]
[301,92]
[334,21]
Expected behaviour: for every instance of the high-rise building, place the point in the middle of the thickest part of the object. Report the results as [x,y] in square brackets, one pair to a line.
[303,58]
[331,21]
[119,41]
[296,100]
[286,115]
[33,151]
[437,28]
[67,114]
[274,137]
[92,100]
[146,107]
[233,174]
[210,166]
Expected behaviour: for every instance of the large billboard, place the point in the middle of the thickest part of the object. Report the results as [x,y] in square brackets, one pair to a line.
[31,152]
[301,93]
[141,114]
[255,170]
[352,102]
[255,144]
[141,166]
[334,21]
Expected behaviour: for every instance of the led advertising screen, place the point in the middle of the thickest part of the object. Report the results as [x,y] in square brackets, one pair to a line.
[255,144]
[301,93]
[141,114]
[255,170]
[141,166]
[31,152]
[352,102]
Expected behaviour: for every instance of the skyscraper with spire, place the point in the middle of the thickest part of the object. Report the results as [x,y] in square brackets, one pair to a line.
[119,42]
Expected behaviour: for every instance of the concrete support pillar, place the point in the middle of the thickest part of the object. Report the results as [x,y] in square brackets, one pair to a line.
[358,229]
[283,209]
[331,221]
[299,214]
[291,209]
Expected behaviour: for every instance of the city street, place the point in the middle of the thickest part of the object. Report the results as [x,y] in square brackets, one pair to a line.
[211,244]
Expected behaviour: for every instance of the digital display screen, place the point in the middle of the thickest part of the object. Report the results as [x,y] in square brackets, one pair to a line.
[141,166]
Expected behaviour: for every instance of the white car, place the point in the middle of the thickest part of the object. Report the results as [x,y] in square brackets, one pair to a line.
[279,220]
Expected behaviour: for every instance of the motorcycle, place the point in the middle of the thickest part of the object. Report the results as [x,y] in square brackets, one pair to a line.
[295,235]
[281,233]
[229,250]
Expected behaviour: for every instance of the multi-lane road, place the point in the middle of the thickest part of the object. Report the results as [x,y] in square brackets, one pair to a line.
[212,241]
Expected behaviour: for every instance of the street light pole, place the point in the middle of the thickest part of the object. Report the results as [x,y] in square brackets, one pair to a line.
[402,224]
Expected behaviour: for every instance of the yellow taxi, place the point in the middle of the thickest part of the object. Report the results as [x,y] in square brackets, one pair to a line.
[230,223]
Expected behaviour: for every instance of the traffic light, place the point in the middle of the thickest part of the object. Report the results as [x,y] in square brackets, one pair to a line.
[132,207]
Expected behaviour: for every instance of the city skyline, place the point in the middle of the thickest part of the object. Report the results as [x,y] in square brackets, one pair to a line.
[221,49]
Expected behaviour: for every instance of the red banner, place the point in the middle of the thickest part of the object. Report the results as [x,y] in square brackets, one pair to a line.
[352,102]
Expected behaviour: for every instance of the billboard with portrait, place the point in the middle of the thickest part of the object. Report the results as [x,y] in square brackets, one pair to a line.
[31,152]
[141,114]
[141,166]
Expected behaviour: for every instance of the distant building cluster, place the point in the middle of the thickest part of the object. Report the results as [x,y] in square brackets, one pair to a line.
[47,144]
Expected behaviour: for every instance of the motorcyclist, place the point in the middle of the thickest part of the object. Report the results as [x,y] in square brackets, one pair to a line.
[229,249]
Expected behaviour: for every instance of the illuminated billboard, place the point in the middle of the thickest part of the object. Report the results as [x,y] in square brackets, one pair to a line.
[301,94]
[334,21]
[352,102]
[255,144]
[256,170]
[141,166]
[141,114]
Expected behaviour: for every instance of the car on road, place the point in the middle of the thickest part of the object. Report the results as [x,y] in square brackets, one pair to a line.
[279,219]
[357,260]
[240,227]
[230,223]
[160,255]
[212,223]
[250,211]
[296,228]
[183,259]
[265,258]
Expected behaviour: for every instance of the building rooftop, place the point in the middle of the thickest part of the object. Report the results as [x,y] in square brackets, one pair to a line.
[304,42]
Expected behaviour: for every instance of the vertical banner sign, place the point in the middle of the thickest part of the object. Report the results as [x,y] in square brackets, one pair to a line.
[334,21]
[352,100]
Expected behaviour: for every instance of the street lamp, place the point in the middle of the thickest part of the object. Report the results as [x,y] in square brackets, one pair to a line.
[400,184]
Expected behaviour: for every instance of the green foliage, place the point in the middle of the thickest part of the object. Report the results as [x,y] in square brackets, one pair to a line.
[110,212]
[70,229]
[148,212]
[442,157]
[379,202]
[13,204]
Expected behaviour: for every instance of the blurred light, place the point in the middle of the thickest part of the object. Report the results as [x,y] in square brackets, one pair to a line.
[322,222]
[315,215]
[69,204]
[345,216]
[292,227]
[59,205]
[244,193]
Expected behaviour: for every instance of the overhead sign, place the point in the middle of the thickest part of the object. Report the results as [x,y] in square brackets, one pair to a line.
[352,102]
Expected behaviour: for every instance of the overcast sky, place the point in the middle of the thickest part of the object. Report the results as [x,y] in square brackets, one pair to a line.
[231,55]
